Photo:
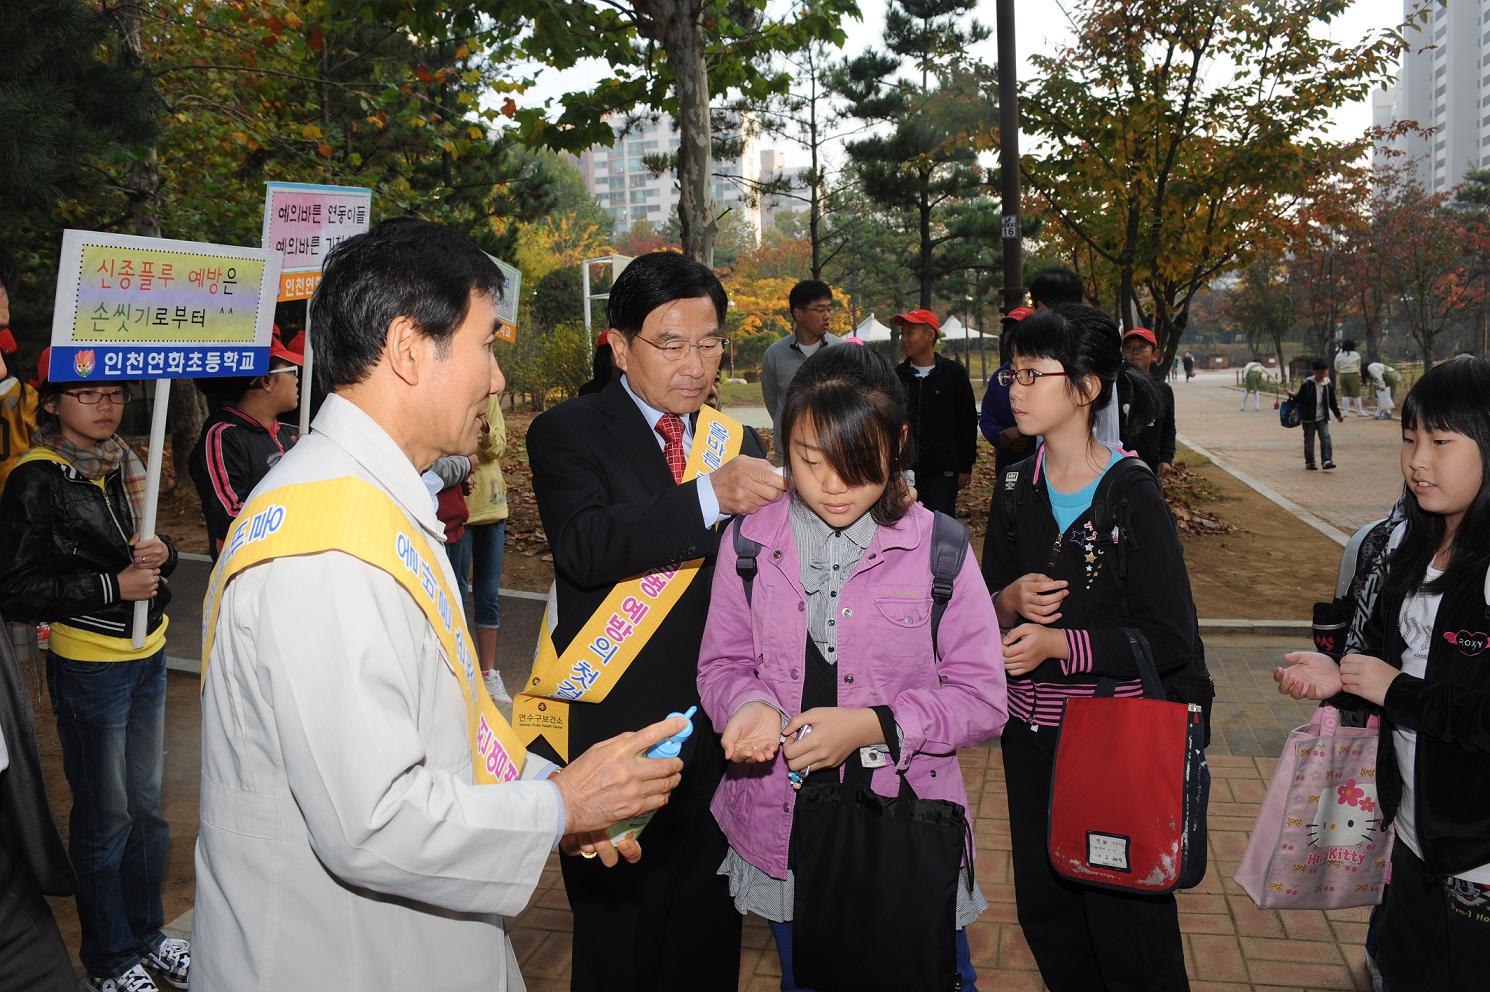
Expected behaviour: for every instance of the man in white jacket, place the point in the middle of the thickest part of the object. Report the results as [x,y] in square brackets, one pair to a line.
[357,830]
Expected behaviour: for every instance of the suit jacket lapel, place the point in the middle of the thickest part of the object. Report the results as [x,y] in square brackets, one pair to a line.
[634,439]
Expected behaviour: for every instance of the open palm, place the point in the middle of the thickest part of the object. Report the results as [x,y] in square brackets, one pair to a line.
[1310,675]
[753,733]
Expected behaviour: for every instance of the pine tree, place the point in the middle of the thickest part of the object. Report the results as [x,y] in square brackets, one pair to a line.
[931,101]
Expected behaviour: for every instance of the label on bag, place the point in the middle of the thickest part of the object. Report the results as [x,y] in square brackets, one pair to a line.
[1107,851]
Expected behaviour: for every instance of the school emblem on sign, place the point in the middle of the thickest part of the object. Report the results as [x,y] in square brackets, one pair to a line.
[83,363]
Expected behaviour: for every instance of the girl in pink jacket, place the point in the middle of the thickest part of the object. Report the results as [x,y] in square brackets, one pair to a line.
[839,620]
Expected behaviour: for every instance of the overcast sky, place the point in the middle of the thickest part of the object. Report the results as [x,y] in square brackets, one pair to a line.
[1042,26]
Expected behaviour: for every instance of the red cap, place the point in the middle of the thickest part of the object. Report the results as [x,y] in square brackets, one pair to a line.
[1018,313]
[918,317]
[43,366]
[8,341]
[1142,332]
[294,352]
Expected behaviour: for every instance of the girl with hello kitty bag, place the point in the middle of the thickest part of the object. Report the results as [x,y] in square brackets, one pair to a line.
[1320,842]
[1425,662]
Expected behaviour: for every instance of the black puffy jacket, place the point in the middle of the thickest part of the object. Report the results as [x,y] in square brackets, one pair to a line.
[63,543]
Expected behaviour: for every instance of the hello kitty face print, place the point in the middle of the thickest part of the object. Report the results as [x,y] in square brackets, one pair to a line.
[1348,818]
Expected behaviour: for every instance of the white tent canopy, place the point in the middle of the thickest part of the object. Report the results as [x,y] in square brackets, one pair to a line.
[953,329]
[870,329]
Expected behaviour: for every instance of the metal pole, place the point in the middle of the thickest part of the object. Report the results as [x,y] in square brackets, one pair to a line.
[1008,69]
[584,279]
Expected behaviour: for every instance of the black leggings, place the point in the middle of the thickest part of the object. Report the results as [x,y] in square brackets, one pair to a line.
[1085,939]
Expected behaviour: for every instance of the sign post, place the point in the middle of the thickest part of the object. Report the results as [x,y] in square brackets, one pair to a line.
[151,308]
[302,223]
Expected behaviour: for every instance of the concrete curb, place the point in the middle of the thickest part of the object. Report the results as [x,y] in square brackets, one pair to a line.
[1328,530]
[1277,628]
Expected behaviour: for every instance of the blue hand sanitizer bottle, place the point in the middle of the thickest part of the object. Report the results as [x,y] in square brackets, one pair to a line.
[669,748]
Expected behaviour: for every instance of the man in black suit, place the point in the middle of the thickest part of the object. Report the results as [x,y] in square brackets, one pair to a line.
[606,471]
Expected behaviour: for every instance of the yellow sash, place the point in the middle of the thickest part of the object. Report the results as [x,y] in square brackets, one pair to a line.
[359,519]
[617,632]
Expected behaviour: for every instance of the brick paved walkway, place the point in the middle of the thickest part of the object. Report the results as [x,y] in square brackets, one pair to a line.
[1255,447]
[1229,944]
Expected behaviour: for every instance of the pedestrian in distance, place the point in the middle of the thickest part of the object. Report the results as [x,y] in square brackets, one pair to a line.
[1252,378]
[1148,414]
[805,655]
[1316,404]
[486,529]
[943,413]
[1383,378]
[1189,362]
[1421,663]
[1065,608]
[1348,372]
[810,303]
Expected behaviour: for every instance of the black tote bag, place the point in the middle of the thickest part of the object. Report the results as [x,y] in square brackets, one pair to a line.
[876,884]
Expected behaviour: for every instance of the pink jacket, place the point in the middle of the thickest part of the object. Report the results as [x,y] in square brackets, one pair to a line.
[884,658]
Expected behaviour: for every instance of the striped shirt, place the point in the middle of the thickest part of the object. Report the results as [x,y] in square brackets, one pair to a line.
[827,557]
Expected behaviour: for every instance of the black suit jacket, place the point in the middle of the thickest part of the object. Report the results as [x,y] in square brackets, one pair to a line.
[611,511]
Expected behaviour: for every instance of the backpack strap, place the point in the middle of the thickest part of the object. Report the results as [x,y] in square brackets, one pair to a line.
[1106,512]
[1013,487]
[949,544]
[746,552]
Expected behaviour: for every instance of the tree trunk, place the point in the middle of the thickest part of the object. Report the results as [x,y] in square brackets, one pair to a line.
[924,270]
[682,39]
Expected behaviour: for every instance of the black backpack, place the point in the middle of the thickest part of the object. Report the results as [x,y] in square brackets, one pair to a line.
[1191,684]
[948,551]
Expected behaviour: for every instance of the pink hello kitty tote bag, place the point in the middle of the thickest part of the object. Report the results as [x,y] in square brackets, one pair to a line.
[1319,842]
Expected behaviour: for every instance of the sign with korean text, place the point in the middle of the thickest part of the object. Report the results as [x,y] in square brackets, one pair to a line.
[150,308]
[303,222]
[507,305]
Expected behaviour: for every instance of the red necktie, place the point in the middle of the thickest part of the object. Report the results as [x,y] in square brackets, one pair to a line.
[671,429]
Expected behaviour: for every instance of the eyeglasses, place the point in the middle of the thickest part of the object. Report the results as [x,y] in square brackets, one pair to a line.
[285,370]
[709,348]
[1025,377]
[824,310]
[94,397]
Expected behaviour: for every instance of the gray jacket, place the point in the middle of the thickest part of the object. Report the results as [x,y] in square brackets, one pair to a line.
[778,366]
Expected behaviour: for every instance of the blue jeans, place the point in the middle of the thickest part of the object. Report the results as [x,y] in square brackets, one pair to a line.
[459,554]
[783,934]
[491,541]
[111,723]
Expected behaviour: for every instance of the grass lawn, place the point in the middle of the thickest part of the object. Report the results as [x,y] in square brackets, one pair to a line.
[741,394]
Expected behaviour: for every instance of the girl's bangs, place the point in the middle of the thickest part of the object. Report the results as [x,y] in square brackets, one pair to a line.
[849,433]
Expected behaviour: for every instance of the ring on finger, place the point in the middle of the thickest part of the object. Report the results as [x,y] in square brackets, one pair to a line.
[587,855]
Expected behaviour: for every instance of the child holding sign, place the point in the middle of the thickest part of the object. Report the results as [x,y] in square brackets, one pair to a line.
[839,620]
[71,557]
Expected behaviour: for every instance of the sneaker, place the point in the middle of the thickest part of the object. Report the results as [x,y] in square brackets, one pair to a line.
[494,686]
[1328,466]
[1312,468]
[171,961]
[133,980]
